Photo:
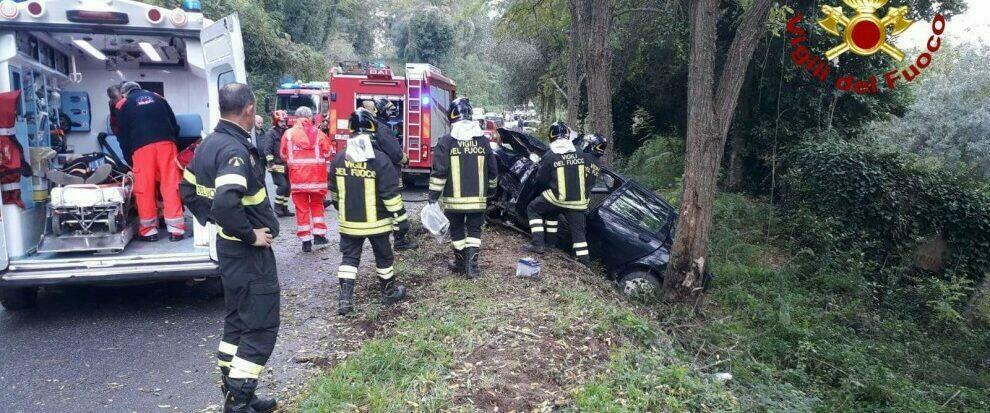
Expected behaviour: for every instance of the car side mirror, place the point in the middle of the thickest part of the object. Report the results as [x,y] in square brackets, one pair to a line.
[268,104]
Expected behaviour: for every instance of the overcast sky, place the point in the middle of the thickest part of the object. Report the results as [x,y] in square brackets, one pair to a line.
[973,26]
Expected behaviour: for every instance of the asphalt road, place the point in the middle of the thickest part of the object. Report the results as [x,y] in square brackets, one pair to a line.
[151,347]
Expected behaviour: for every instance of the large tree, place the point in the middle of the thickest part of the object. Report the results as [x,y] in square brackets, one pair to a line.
[711,106]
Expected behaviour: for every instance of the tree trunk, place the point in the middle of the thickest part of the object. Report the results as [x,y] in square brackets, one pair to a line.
[710,110]
[574,69]
[598,66]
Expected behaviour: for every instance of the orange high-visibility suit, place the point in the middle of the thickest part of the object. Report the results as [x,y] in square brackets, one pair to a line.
[306,151]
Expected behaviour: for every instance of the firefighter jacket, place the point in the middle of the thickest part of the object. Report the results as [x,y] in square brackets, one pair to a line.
[270,146]
[306,151]
[366,195]
[464,173]
[568,175]
[225,185]
[144,118]
[386,142]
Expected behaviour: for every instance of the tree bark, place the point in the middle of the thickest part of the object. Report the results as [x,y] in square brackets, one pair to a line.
[710,110]
[598,66]
[574,69]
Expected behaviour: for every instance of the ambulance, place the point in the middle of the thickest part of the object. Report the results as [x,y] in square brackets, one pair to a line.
[422,97]
[62,55]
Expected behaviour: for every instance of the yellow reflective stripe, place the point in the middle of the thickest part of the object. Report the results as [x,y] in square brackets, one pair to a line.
[536,222]
[243,369]
[561,183]
[400,218]
[581,183]
[536,229]
[581,252]
[205,191]
[385,273]
[347,272]
[225,236]
[230,179]
[364,225]
[370,198]
[472,242]
[438,180]
[223,363]
[465,200]
[552,198]
[368,231]
[553,223]
[455,171]
[581,245]
[342,186]
[189,176]
[227,348]
[481,175]
[255,199]
[458,244]
[393,204]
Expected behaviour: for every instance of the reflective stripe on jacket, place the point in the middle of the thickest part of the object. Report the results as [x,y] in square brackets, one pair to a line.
[464,174]
[306,151]
[366,195]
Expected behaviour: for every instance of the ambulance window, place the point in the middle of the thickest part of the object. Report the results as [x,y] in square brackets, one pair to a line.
[226,78]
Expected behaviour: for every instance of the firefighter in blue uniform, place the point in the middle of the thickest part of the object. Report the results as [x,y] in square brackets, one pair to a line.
[225,185]
[386,141]
[568,176]
[364,188]
[464,175]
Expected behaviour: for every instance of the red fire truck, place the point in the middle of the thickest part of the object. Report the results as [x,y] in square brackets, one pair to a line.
[422,97]
[291,96]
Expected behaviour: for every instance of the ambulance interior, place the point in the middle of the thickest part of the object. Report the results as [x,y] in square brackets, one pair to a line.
[66,75]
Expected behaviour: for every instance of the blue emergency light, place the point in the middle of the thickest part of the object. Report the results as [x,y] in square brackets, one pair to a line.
[425,100]
[192,6]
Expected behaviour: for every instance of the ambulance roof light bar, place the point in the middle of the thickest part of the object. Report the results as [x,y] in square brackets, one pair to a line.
[88,48]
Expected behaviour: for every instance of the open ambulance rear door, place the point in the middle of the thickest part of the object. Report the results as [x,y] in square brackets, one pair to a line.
[223,58]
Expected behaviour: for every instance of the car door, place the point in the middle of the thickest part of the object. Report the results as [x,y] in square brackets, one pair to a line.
[628,224]
[223,57]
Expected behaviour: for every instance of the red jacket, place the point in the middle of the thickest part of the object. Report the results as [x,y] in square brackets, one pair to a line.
[306,151]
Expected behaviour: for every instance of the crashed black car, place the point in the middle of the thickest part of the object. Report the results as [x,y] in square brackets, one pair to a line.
[630,228]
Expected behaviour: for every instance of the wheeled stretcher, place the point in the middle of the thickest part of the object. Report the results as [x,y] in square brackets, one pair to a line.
[88,217]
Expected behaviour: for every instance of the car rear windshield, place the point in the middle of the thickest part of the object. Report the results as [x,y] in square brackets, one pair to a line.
[642,208]
[290,103]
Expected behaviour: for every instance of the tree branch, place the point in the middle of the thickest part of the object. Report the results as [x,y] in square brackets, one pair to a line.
[737,61]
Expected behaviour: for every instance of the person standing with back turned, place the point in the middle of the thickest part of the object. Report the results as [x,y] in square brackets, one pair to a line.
[225,185]
[307,150]
[464,175]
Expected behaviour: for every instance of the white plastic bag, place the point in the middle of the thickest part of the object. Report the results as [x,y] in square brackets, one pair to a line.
[434,220]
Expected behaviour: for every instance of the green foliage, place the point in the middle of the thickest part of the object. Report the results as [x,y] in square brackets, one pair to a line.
[659,161]
[427,37]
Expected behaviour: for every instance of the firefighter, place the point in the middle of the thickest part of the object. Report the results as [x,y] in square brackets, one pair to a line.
[386,141]
[464,175]
[13,164]
[225,185]
[270,145]
[568,176]
[307,150]
[365,192]
[148,132]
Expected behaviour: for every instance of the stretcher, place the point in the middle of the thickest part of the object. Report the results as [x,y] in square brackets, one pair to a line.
[87,218]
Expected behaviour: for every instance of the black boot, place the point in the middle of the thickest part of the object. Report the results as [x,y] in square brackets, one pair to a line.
[392,292]
[320,240]
[471,262]
[307,246]
[258,404]
[282,210]
[176,237]
[404,244]
[345,301]
[148,238]
[457,263]
[584,259]
[536,246]
[239,394]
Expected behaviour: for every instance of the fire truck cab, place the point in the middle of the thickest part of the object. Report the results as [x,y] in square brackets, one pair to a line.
[422,97]
[292,96]
[62,56]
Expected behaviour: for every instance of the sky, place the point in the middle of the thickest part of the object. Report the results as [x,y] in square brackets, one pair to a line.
[972,26]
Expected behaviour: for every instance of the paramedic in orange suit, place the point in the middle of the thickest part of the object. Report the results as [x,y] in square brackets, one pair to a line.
[306,151]
[148,132]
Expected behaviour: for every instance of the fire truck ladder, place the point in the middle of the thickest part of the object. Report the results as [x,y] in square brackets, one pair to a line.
[414,120]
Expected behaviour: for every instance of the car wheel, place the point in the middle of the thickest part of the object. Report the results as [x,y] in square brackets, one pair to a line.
[14,299]
[641,285]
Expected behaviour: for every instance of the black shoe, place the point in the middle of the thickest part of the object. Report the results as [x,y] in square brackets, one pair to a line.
[404,244]
[320,240]
[258,404]
[534,248]
[345,301]
[307,246]
[282,211]
[176,237]
[239,395]
[148,238]
[457,263]
[584,260]
[391,291]
[471,262]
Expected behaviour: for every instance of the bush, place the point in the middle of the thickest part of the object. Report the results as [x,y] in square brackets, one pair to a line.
[884,204]
[658,163]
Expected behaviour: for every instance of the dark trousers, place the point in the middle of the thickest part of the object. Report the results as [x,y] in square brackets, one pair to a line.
[465,229]
[251,298]
[543,223]
[350,250]
[282,190]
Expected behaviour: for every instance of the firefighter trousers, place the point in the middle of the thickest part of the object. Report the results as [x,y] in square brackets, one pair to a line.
[465,229]
[155,171]
[350,249]
[282,193]
[251,298]
[310,218]
[543,224]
